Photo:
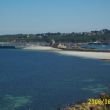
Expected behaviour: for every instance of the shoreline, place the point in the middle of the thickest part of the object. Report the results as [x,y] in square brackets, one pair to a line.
[84,54]
[99,103]
[41,48]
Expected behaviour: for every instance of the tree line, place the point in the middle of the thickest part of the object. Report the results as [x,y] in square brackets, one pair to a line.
[102,35]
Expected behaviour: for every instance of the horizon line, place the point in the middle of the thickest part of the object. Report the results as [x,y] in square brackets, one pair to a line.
[54,32]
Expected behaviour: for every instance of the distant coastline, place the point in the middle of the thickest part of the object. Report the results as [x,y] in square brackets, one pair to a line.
[84,54]
[94,44]
[62,49]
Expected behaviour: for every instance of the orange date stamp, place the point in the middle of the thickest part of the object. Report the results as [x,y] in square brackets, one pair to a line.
[99,101]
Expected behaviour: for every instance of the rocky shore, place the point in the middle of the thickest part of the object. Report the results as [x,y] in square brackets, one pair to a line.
[105,105]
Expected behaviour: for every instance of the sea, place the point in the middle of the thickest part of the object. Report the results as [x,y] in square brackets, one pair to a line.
[97,46]
[41,80]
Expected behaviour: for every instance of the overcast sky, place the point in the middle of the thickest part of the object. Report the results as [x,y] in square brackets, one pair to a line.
[37,16]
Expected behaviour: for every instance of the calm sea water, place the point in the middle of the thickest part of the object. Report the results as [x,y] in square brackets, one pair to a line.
[97,46]
[50,79]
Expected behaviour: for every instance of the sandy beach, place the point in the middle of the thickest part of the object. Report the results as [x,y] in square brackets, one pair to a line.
[84,54]
[41,48]
[93,55]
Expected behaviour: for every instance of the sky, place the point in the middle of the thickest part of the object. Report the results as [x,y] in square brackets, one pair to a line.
[40,16]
